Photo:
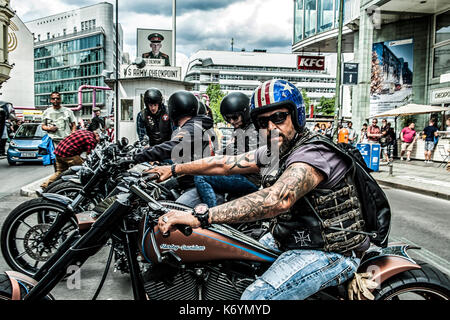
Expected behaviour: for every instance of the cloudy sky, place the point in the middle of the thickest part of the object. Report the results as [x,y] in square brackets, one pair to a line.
[201,24]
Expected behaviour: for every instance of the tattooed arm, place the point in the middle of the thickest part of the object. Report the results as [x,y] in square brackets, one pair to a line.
[219,165]
[295,182]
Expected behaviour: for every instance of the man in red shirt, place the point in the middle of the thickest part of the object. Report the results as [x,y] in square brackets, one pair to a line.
[69,150]
[374,132]
[408,137]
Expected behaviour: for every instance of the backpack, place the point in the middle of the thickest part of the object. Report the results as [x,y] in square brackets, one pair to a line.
[375,206]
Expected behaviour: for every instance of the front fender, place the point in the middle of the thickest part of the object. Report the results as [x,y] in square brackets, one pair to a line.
[68,177]
[57,198]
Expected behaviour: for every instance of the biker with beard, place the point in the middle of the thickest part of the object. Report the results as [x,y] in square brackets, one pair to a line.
[182,107]
[309,195]
[154,120]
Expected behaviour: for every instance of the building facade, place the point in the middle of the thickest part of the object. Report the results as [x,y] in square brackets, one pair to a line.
[245,71]
[6,14]
[402,49]
[19,89]
[72,49]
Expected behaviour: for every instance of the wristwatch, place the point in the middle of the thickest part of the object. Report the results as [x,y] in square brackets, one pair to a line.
[172,169]
[201,212]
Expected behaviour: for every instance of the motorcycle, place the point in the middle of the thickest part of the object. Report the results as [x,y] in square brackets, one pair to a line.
[33,231]
[215,263]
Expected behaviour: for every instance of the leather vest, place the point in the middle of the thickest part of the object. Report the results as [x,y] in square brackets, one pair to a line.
[158,126]
[324,219]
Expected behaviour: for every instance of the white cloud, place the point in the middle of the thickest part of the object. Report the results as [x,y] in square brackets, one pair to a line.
[261,24]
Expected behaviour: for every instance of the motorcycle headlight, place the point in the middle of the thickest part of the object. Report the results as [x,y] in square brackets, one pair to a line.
[85,175]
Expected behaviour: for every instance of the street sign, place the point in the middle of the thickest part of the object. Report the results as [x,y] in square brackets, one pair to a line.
[350,74]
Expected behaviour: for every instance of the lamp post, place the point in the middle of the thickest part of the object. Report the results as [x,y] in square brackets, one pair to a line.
[337,101]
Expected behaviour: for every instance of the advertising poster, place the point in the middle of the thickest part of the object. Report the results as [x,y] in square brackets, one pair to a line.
[155,44]
[392,75]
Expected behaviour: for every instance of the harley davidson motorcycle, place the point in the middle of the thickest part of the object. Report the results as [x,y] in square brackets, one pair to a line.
[215,263]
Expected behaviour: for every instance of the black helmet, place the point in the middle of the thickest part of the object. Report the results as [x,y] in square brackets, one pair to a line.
[236,103]
[182,103]
[153,96]
[201,108]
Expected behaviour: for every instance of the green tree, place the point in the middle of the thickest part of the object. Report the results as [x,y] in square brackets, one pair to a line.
[215,98]
[306,100]
[326,106]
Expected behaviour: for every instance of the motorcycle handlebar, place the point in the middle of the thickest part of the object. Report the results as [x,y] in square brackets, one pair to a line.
[184,229]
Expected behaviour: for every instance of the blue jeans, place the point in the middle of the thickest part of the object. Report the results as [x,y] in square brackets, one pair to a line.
[207,186]
[191,198]
[298,274]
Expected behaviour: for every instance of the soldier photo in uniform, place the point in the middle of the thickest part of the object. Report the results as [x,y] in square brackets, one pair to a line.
[155,44]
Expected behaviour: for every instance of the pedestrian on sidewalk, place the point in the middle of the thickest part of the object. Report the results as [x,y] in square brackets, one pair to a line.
[387,141]
[69,150]
[374,132]
[408,137]
[58,121]
[430,132]
[97,122]
[342,134]
[363,136]
[351,134]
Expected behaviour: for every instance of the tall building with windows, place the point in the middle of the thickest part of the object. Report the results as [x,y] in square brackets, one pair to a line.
[245,71]
[72,49]
[402,48]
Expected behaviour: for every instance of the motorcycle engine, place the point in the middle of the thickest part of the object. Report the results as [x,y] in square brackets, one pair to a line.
[202,283]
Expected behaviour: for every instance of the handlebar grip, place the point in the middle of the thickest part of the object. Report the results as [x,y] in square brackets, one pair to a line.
[184,229]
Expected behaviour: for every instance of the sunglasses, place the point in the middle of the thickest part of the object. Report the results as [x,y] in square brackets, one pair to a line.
[275,118]
[234,117]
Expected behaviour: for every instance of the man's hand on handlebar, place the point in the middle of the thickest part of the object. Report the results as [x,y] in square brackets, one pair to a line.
[164,172]
[167,222]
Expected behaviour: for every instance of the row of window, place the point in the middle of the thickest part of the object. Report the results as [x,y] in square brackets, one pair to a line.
[60,48]
[68,85]
[196,77]
[251,88]
[89,24]
[70,72]
[441,63]
[314,16]
[252,68]
[69,59]
[71,98]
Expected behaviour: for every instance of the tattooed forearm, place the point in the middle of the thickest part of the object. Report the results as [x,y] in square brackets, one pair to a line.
[296,181]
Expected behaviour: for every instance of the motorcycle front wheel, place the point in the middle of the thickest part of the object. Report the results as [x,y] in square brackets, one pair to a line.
[23,230]
[427,283]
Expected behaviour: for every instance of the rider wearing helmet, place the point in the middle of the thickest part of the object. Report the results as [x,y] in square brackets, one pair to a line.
[183,107]
[308,193]
[154,120]
[235,109]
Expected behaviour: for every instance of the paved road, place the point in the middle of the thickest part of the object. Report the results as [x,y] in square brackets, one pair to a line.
[416,219]
[14,177]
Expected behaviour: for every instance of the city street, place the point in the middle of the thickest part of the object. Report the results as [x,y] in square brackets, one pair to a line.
[417,219]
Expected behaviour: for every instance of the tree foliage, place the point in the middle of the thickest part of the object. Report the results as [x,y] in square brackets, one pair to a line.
[215,98]
[326,106]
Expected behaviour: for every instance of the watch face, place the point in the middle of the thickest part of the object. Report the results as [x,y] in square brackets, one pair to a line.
[201,208]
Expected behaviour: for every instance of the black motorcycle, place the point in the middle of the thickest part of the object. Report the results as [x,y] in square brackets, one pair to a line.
[216,263]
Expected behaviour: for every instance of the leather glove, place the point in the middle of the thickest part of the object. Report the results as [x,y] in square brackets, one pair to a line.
[361,283]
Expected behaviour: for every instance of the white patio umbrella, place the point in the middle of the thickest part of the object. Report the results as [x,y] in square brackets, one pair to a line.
[410,109]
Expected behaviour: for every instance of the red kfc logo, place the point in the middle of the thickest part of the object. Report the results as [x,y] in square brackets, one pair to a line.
[311,63]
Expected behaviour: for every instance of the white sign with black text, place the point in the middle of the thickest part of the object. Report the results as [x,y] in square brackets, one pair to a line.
[132,71]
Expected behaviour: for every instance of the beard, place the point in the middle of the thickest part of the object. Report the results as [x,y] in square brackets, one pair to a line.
[285,142]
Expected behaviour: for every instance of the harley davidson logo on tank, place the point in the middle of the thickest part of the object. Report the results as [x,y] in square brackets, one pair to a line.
[311,63]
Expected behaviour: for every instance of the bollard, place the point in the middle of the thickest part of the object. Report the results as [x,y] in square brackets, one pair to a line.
[391,167]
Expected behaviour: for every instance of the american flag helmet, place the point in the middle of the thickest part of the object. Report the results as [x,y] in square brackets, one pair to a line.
[276,94]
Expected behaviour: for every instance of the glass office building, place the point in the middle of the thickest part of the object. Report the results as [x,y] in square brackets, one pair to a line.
[66,65]
[72,49]
[314,16]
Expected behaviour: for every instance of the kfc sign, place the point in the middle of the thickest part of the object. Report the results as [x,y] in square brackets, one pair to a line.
[311,63]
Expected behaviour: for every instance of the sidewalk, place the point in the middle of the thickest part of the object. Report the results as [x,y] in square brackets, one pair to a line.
[416,176]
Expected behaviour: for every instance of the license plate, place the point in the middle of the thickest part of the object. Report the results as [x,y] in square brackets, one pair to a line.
[28,154]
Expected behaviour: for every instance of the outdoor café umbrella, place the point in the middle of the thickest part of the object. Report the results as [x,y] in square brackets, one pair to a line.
[410,109]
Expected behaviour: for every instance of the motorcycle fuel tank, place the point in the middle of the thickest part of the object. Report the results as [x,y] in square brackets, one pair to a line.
[219,242]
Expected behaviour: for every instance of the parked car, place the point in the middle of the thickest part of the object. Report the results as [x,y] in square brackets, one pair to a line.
[23,146]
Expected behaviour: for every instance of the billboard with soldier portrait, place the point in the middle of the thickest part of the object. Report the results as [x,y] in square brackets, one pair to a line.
[155,44]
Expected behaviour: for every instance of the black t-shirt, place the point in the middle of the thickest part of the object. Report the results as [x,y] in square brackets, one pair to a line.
[429,131]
